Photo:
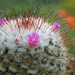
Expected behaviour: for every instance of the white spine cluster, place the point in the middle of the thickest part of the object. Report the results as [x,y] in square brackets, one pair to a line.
[17,56]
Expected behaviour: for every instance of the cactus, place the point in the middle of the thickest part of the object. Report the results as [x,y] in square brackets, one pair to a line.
[30,45]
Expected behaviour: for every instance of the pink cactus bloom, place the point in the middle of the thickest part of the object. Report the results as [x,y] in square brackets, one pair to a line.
[33,39]
[16,40]
[56,27]
[2,21]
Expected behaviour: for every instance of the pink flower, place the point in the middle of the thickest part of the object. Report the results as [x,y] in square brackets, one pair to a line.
[33,39]
[56,27]
[2,21]
[16,40]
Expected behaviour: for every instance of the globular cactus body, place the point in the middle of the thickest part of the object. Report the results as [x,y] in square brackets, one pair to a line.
[31,46]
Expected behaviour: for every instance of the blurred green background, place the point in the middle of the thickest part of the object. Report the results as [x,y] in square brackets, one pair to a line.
[56,5]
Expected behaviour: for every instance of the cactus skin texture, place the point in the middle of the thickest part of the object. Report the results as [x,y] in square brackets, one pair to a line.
[30,45]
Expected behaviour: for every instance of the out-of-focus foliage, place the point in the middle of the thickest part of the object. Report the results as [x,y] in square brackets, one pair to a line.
[69,5]
[48,1]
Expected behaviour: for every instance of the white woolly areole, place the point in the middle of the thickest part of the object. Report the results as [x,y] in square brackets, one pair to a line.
[10,31]
[45,52]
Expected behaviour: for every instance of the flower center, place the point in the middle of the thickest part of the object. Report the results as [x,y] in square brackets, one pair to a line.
[33,39]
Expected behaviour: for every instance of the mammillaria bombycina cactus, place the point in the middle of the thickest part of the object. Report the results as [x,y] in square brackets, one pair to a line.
[30,45]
